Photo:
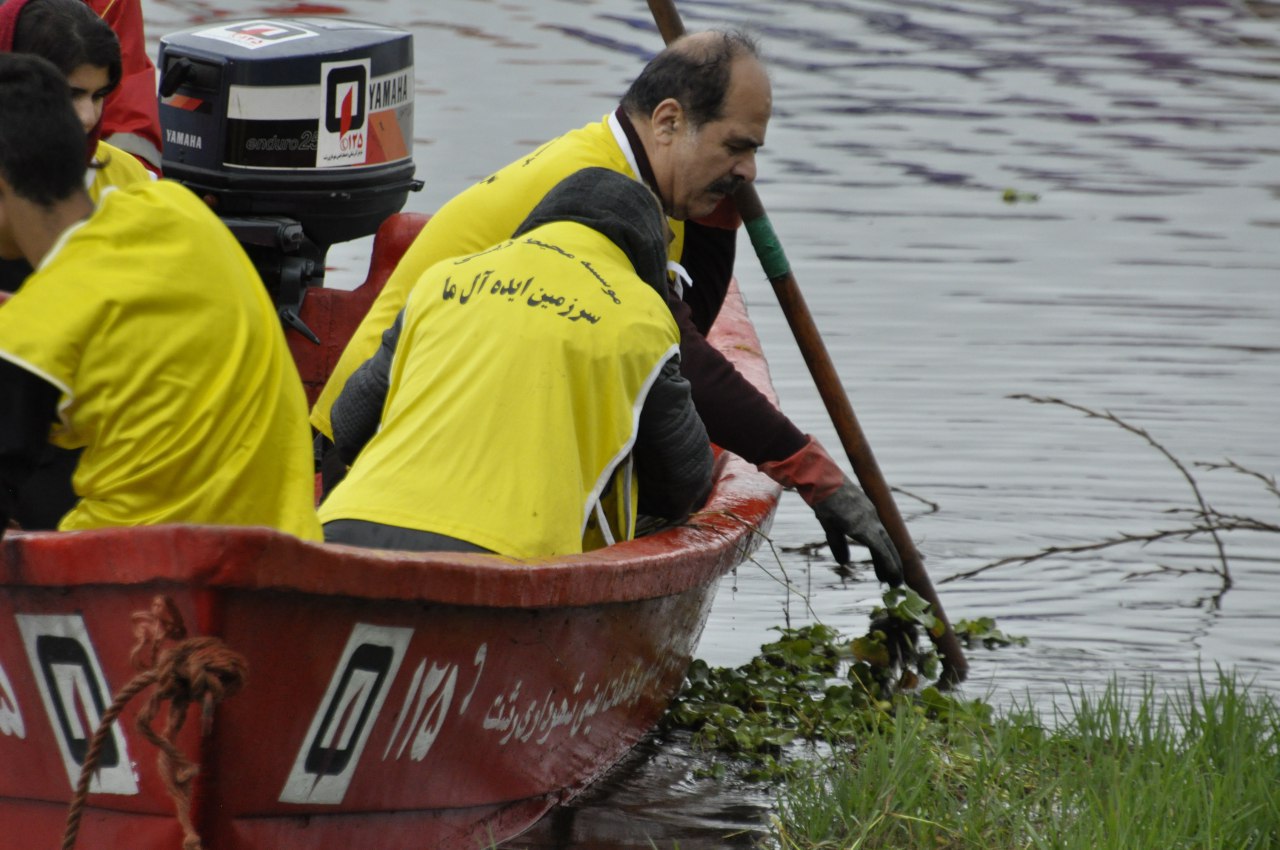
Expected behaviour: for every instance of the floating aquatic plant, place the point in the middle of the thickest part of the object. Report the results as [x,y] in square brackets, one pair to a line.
[815,686]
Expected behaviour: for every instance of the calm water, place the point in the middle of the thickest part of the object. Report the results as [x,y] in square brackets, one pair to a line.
[1145,281]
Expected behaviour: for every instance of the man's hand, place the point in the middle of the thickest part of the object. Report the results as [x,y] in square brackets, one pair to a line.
[848,513]
[842,509]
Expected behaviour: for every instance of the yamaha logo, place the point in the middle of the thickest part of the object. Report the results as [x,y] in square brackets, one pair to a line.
[186,140]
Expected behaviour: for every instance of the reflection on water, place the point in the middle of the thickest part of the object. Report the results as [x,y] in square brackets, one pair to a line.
[1142,281]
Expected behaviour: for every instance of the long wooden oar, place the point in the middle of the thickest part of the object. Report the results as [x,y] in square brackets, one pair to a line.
[778,270]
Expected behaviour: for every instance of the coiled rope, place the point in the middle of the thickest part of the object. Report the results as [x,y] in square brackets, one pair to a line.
[201,670]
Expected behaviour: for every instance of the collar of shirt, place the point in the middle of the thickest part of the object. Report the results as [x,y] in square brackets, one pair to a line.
[624,133]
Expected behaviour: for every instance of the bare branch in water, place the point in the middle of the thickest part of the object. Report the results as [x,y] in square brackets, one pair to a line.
[1235,522]
[1268,481]
[1122,539]
[1155,444]
[1202,520]
[933,507]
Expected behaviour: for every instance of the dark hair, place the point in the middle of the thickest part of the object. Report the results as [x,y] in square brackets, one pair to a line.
[41,140]
[69,34]
[696,75]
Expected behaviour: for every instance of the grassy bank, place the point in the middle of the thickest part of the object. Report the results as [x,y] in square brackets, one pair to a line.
[1193,769]
[905,765]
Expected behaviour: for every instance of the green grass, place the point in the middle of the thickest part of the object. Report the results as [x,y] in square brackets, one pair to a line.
[1198,768]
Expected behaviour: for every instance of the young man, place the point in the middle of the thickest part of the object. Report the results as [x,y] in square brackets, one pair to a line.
[688,127]
[82,46]
[143,336]
[528,398]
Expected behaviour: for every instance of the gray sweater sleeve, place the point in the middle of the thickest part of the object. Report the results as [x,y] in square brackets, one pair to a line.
[673,455]
[358,408]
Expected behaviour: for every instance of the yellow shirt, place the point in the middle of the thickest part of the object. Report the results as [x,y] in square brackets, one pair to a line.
[113,167]
[483,215]
[173,370]
[515,393]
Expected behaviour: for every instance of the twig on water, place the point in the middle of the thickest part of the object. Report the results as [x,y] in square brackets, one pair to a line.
[1121,539]
[933,506]
[785,580]
[1204,519]
[1268,481]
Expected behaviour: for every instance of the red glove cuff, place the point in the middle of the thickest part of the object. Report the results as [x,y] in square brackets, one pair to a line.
[724,216]
[810,472]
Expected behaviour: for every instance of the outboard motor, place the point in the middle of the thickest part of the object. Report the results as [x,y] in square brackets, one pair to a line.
[298,132]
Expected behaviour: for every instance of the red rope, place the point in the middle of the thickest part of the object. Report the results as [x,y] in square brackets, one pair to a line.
[152,628]
[201,670]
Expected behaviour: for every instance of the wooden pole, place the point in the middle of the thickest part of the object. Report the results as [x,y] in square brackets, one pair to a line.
[774,261]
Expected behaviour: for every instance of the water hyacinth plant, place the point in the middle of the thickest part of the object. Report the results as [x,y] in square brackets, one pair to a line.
[817,686]
[865,752]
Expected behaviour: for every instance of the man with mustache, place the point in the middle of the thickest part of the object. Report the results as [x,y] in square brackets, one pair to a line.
[689,126]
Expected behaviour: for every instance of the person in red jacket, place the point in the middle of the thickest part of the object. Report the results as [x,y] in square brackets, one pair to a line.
[131,117]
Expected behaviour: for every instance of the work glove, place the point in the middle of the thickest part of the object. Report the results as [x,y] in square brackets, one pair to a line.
[848,513]
[842,509]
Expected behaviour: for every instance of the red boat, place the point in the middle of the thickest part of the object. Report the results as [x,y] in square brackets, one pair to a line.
[392,700]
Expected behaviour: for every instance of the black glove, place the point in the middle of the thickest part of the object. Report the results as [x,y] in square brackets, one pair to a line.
[848,513]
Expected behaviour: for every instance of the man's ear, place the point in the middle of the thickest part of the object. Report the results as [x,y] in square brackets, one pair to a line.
[666,120]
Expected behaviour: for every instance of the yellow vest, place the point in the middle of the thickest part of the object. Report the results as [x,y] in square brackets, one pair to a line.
[172,366]
[113,168]
[483,215]
[515,393]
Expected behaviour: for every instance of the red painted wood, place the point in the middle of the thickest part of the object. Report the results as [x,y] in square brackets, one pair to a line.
[332,314]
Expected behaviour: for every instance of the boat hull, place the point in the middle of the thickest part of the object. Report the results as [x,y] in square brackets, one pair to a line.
[393,700]
[451,717]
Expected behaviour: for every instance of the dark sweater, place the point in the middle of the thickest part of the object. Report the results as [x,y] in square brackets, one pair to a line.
[35,481]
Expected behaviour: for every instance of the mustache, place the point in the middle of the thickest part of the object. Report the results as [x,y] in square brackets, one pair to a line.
[727,185]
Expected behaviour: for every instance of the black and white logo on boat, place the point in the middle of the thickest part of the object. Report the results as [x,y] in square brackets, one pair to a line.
[10,714]
[327,759]
[343,131]
[75,695]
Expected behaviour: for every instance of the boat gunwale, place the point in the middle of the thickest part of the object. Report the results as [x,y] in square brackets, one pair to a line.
[712,542]
[669,562]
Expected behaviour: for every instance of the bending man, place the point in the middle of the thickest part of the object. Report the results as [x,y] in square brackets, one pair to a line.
[144,337]
[688,127]
[528,398]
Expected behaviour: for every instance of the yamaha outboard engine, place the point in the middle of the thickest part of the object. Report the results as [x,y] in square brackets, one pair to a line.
[297,131]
